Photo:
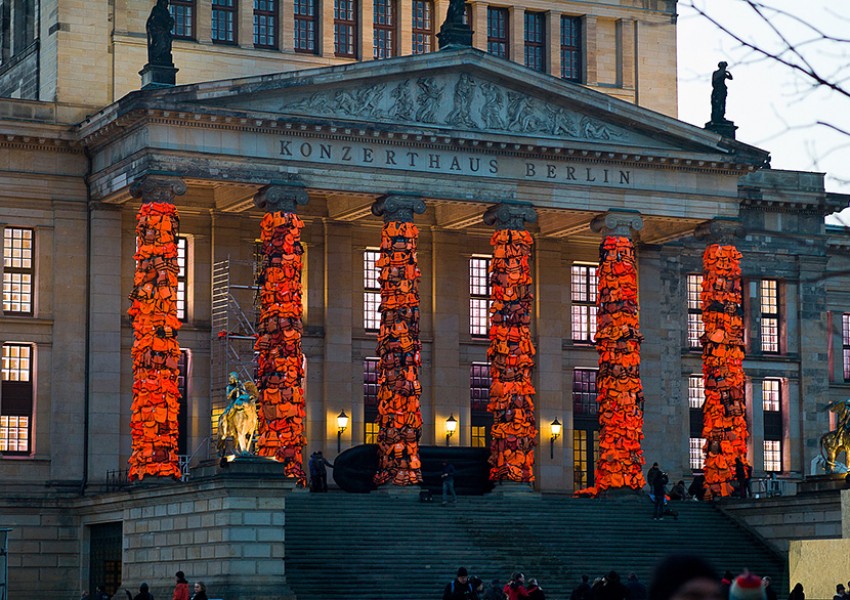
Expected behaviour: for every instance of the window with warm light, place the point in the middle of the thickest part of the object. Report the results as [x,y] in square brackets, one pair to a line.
[16,399]
[772,456]
[696,399]
[498,42]
[770,316]
[182,277]
[585,451]
[771,395]
[479,296]
[370,400]
[535,41]
[696,391]
[371,291]
[345,28]
[584,285]
[478,436]
[695,325]
[18,271]
[696,459]
[385,33]
[265,23]
[571,56]
[845,344]
[423,26]
[182,415]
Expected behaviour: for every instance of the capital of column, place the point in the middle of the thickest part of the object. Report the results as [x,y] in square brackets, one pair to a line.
[281,197]
[157,188]
[722,230]
[510,216]
[619,223]
[398,208]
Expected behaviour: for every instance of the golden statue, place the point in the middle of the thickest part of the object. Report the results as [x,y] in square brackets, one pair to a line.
[239,419]
[838,440]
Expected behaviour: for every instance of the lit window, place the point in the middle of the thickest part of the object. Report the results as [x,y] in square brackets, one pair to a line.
[182,415]
[770,315]
[183,12]
[385,28]
[18,270]
[584,284]
[772,455]
[696,453]
[695,325]
[585,449]
[370,400]
[571,48]
[16,398]
[497,31]
[479,296]
[423,26]
[306,25]
[584,392]
[372,291]
[696,391]
[478,436]
[182,276]
[223,21]
[535,41]
[845,344]
[370,432]
[771,395]
[265,23]
[345,28]
[479,386]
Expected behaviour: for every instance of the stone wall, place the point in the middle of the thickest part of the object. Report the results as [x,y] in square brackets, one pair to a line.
[19,77]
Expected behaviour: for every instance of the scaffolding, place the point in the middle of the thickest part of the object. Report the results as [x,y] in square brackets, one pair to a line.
[233,329]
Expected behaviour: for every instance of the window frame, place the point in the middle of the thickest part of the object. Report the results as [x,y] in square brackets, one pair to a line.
[572,51]
[584,291]
[771,316]
[371,387]
[270,18]
[496,16]
[422,38]
[227,10]
[386,10]
[310,24]
[845,344]
[535,46]
[696,454]
[584,402]
[479,395]
[693,301]
[17,386]
[348,25]
[177,6]
[480,295]
[182,301]
[371,290]
[11,270]
[772,456]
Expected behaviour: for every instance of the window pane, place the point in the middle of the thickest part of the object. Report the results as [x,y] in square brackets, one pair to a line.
[769,315]
[535,41]
[18,270]
[479,386]
[16,362]
[345,28]
[584,284]
[695,325]
[497,32]
[479,291]
[265,23]
[370,382]
[423,26]
[223,19]
[696,391]
[384,26]
[571,48]
[771,395]
[772,455]
[845,342]
[183,13]
[306,24]
[696,453]
[584,392]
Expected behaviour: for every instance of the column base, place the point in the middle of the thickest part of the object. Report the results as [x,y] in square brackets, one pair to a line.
[158,76]
[724,128]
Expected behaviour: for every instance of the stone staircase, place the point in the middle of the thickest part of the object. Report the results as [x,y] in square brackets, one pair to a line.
[382,546]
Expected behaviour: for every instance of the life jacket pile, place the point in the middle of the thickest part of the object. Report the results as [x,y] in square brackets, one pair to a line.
[724,412]
[156,352]
[619,389]
[280,361]
[399,349]
[511,356]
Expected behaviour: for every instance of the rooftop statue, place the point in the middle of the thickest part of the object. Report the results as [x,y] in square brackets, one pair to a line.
[837,441]
[457,8]
[159,26]
[455,33]
[239,419]
[719,92]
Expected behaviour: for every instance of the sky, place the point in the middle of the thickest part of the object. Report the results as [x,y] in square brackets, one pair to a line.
[773,107]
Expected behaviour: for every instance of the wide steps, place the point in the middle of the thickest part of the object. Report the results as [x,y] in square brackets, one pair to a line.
[375,546]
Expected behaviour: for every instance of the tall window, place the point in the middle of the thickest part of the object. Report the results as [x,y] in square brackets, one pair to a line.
[497,31]
[584,284]
[585,427]
[385,29]
[371,291]
[770,315]
[423,26]
[265,23]
[585,451]
[306,26]
[696,392]
[695,325]
[535,41]
[370,400]
[696,399]
[771,394]
[571,48]
[224,21]
[16,399]
[696,454]
[182,416]
[182,276]
[183,12]
[345,28]
[479,397]
[845,344]
[18,270]
[479,296]
[584,392]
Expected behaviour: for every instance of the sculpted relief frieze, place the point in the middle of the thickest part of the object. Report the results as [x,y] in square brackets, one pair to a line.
[458,101]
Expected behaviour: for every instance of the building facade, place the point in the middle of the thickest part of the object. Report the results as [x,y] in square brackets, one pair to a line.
[578,122]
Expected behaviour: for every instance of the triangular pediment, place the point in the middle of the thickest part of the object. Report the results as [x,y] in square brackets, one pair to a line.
[464,93]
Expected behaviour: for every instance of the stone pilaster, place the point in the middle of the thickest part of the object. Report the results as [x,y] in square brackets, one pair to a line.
[516,35]
[589,34]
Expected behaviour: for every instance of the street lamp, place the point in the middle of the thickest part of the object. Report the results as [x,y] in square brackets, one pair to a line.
[555,427]
[451,427]
[341,425]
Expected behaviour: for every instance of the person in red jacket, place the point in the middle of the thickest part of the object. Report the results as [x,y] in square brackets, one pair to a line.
[181,590]
[515,589]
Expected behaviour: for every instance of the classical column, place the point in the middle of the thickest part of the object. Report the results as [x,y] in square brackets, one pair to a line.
[511,353]
[156,352]
[280,362]
[399,347]
[724,411]
[618,340]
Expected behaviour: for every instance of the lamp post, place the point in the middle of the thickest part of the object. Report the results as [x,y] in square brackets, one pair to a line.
[555,428]
[341,425]
[451,427]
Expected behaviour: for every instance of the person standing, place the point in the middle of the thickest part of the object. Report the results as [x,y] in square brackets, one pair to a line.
[582,590]
[200,591]
[448,477]
[839,592]
[769,592]
[494,592]
[797,593]
[143,594]
[613,588]
[650,475]
[659,490]
[535,592]
[181,588]
[318,471]
[637,591]
[515,588]
[741,477]
[460,588]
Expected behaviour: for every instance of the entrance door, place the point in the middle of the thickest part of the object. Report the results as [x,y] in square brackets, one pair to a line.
[105,557]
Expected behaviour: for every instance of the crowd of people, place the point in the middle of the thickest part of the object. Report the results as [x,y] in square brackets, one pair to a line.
[677,577]
[181,591]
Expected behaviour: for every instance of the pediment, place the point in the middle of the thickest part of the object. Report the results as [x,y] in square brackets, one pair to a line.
[464,92]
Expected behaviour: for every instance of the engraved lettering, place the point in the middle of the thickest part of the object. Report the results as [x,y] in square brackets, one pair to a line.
[550,171]
[494,166]
[571,173]
[325,150]
[412,156]
[306,150]
[606,175]
[346,153]
[530,171]
[624,177]
[368,155]
[589,178]
[455,165]
[433,161]
[285,149]
[390,157]
[474,164]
